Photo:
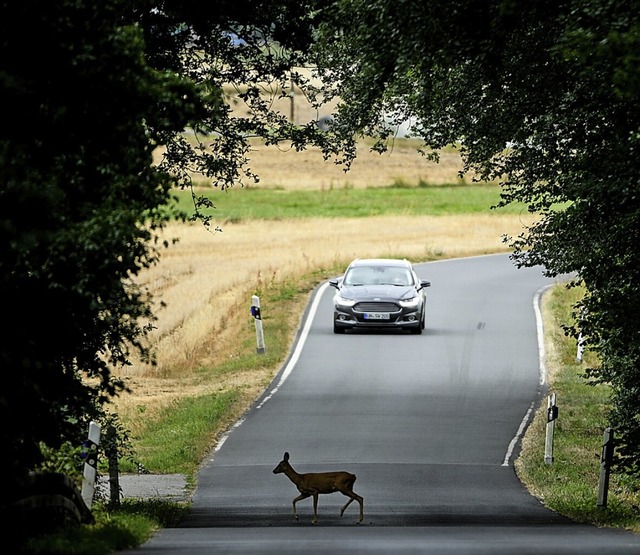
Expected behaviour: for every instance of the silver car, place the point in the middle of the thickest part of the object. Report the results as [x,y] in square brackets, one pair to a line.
[379,293]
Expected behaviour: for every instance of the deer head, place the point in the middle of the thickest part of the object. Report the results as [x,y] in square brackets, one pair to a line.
[282,465]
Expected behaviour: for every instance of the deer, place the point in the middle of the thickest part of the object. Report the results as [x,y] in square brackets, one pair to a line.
[315,483]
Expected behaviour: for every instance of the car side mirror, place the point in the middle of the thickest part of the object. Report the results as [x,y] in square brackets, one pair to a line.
[424,284]
[334,283]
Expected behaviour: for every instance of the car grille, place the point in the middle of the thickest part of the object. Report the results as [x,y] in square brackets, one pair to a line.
[376,307]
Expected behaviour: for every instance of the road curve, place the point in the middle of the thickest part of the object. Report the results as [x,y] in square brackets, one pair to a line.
[429,424]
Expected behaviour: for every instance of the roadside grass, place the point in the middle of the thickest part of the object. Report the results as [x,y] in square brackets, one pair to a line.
[125,528]
[569,485]
[181,436]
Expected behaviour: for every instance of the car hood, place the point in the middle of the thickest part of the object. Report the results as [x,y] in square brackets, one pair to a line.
[377,292]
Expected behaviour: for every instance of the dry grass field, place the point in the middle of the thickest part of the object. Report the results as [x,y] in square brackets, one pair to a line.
[307,170]
[283,167]
[208,277]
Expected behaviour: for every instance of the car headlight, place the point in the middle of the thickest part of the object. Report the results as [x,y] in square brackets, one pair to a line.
[341,301]
[410,303]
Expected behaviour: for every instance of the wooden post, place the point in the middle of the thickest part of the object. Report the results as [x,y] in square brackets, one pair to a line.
[111,448]
[552,416]
[293,102]
[255,312]
[605,467]
[90,463]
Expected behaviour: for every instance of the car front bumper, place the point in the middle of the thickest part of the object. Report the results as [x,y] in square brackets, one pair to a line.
[404,319]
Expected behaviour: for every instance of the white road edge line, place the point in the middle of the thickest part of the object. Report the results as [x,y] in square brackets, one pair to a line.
[299,346]
[290,365]
[542,371]
[515,439]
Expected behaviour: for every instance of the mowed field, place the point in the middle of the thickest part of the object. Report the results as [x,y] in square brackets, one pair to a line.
[206,280]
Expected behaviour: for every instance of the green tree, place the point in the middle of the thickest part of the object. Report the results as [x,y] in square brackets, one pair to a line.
[542,96]
[80,200]
[90,91]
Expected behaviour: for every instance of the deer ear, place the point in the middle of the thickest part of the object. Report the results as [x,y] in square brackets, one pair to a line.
[286,456]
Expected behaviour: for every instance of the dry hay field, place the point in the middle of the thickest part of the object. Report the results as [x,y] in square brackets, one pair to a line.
[307,170]
[207,277]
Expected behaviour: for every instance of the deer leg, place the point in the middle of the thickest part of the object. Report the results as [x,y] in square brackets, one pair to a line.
[353,497]
[361,503]
[299,498]
[315,509]
[345,507]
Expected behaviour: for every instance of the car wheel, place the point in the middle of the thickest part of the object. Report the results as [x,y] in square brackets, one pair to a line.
[417,330]
[337,329]
[423,320]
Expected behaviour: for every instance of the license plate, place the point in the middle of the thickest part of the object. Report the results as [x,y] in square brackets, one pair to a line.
[376,316]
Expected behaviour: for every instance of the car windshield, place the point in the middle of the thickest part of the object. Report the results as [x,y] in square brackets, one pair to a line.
[378,275]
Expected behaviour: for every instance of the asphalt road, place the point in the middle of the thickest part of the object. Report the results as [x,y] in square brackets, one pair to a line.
[429,424]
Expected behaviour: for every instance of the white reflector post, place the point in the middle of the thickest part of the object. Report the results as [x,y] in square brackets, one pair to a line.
[90,452]
[255,312]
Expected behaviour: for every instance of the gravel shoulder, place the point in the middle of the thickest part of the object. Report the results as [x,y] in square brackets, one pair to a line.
[165,487]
